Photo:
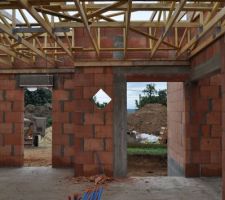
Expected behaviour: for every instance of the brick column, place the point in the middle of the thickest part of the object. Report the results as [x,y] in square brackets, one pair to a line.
[11,122]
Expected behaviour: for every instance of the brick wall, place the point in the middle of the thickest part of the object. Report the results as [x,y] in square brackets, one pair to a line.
[11,122]
[176,116]
[82,133]
[204,131]
[195,131]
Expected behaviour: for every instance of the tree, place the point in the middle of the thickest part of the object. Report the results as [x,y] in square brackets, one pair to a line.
[162,97]
[152,96]
[38,97]
[150,90]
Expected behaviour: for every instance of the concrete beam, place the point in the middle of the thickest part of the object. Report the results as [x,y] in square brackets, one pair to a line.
[133,63]
[36,80]
[38,30]
[208,68]
[156,73]
[38,71]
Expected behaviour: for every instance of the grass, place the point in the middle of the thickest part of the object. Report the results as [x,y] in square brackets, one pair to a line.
[147,150]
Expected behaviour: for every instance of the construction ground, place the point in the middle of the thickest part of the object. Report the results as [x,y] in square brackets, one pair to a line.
[79,48]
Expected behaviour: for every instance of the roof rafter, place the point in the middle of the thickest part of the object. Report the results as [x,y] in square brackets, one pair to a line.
[86,25]
[168,26]
[46,26]
[205,30]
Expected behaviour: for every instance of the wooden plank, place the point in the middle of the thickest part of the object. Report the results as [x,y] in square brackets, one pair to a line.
[57,14]
[86,25]
[14,54]
[168,26]
[20,40]
[45,25]
[205,30]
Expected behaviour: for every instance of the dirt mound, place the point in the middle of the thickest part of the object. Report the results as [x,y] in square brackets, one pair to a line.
[149,119]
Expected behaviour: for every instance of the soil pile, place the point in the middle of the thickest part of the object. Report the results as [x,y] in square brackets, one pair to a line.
[149,119]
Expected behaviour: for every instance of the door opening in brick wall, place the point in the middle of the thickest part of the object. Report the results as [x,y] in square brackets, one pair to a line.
[147,128]
[37,126]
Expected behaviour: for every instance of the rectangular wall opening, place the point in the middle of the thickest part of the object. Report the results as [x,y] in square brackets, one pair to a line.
[147,128]
[37,126]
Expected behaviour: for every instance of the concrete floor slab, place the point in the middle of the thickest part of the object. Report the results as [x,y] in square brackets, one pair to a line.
[30,183]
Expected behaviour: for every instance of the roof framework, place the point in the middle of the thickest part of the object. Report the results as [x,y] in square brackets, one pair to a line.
[30,29]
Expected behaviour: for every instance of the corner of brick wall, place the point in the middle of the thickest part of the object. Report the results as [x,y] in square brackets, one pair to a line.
[11,122]
[195,128]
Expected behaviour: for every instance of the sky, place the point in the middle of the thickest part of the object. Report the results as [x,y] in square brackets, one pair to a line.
[134,89]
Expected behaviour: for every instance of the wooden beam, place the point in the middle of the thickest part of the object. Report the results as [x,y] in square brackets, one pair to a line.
[14,54]
[57,14]
[168,26]
[205,30]
[152,37]
[207,42]
[20,40]
[105,9]
[44,24]
[86,25]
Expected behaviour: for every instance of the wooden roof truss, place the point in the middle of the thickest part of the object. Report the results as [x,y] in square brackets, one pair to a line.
[40,28]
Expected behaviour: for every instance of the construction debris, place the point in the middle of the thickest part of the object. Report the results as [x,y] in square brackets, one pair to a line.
[97,179]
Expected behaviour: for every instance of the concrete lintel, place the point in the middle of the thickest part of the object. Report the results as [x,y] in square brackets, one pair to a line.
[36,80]
[208,68]
[38,30]
[155,73]
[38,71]
[133,63]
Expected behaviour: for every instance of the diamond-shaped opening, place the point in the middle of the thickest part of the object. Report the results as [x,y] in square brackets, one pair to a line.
[101,99]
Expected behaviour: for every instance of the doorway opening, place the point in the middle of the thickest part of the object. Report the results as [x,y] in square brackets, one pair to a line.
[37,126]
[147,128]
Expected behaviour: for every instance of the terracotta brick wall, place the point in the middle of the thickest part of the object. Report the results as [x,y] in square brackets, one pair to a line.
[195,127]
[11,122]
[82,133]
[177,119]
[204,130]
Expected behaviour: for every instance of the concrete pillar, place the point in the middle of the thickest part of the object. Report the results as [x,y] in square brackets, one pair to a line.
[120,124]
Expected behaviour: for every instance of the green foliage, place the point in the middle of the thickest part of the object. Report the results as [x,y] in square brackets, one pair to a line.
[49,122]
[98,104]
[38,97]
[152,96]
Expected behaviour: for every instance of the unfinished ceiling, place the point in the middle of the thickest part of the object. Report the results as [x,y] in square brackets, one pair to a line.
[46,29]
